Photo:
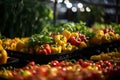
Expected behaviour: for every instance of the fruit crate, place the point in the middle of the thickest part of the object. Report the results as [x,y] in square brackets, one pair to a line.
[13,62]
[84,53]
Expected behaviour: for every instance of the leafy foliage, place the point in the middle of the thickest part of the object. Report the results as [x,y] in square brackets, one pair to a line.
[70,26]
[115,26]
[40,39]
[23,17]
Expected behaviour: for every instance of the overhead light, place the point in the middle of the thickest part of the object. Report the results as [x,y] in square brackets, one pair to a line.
[80,5]
[69,5]
[82,9]
[88,9]
[58,1]
[74,9]
[66,1]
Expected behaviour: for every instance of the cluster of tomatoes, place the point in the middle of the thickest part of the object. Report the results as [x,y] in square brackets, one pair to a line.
[65,70]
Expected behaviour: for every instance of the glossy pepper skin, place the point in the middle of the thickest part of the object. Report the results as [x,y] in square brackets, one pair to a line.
[55,48]
[66,33]
[60,39]
[67,47]
[3,55]
[75,39]
[44,49]
[96,39]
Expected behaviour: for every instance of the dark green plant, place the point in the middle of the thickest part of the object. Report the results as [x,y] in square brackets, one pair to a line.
[23,17]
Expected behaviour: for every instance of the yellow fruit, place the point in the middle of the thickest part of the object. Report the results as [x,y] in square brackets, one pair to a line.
[13,46]
[66,33]
[74,34]
[3,56]
[106,38]
[1,47]
[25,39]
[97,39]
[117,37]
[20,46]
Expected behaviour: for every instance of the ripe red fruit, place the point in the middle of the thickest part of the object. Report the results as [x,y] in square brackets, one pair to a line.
[108,63]
[85,64]
[80,61]
[32,63]
[62,63]
[54,63]
[42,70]
[82,37]
[106,30]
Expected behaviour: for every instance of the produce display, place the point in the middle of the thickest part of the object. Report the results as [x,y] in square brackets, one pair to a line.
[106,56]
[65,70]
[76,40]
[70,38]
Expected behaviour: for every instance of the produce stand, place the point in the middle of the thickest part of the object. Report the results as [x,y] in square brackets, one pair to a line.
[39,57]
[33,47]
[84,53]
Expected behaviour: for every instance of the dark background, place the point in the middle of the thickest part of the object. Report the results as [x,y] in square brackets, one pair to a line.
[20,18]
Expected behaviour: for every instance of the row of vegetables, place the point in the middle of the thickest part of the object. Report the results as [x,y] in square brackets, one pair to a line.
[65,70]
[64,41]
[68,38]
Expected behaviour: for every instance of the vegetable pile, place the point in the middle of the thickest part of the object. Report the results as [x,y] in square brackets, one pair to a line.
[64,70]
[67,38]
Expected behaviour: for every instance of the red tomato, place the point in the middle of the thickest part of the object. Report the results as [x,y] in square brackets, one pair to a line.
[54,63]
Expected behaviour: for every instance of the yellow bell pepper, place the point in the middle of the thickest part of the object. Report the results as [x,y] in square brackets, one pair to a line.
[117,37]
[21,46]
[67,47]
[13,46]
[97,39]
[6,43]
[1,47]
[107,38]
[60,39]
[3,56]
[93,67]
[25,39]
[114,36]
[76,34]
[55,48]
[66,33]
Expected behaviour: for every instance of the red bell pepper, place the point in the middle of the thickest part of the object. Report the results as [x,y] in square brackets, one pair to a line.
[83,38]
[44,49]
[75,40]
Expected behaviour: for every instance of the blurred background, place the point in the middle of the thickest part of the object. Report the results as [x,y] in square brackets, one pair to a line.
[20,18]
